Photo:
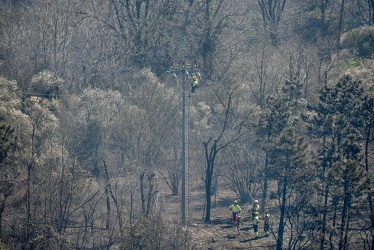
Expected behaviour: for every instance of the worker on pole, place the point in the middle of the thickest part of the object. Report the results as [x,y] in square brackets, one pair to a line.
[195,83]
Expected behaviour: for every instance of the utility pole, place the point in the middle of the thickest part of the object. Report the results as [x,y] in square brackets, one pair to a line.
[175,70]
[184,147]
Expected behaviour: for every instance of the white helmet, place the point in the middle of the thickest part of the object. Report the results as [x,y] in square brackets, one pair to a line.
[256,201]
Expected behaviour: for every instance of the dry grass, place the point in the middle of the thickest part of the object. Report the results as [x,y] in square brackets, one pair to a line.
[219,233]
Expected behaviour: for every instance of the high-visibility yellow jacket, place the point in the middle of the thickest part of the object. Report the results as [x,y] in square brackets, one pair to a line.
[255,208]
[267,219]
[255,220]
[235,208]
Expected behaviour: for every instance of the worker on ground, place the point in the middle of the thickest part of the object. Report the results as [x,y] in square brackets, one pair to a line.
[235,209]
[255,223]
[195,83]
[267,222]
[255,208]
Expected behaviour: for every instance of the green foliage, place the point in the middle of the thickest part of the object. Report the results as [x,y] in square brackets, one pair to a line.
[279,127]
[354,62]
[336,127]
[360,41]
[281,113]
[337,118]
[289,159]
[290,167]
[345,98]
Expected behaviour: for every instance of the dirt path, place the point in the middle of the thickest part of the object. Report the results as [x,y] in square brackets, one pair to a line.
[219,233]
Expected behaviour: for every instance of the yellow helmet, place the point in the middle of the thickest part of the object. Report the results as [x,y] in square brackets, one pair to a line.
[194,77]
[235,202]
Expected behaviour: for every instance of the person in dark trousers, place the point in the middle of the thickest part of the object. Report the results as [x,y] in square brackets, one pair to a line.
[267,222]
[255,223]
